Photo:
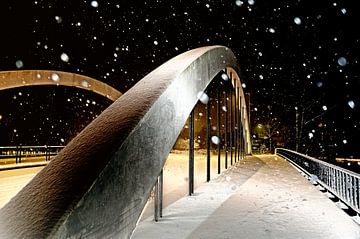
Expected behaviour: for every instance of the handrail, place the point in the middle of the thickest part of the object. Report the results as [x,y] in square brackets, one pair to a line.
[22,78]
[98,185]
[341,182]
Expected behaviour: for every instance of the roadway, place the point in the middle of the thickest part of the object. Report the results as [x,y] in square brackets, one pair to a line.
[12,181]
[259,197]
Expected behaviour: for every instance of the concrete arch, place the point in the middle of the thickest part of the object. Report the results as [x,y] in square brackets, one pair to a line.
[14,79]
[97,186]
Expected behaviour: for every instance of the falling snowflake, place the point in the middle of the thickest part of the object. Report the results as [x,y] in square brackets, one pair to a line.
[85,84]
[203,97]
[224,76]
[342,61]
[215,140]
[19,64]
[94,4]
[64,57]
[297,20]
[55,77]
[58,19]
[351,104]
[251,2]
[239,3]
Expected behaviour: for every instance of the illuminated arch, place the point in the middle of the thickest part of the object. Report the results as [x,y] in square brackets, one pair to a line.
[98,185]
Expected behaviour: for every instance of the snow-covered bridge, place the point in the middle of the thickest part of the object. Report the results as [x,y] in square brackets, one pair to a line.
[99,184]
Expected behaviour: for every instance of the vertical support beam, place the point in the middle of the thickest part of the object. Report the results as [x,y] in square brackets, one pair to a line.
[218,130]
[235,121]
[191,153]
[208,159]
[241,127]
[156,201]
[239,122]
[226,128]
[231,125]
[161,194]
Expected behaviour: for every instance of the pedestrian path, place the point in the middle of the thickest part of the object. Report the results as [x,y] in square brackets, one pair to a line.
[258,197]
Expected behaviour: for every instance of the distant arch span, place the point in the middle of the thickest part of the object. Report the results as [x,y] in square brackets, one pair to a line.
[23,78]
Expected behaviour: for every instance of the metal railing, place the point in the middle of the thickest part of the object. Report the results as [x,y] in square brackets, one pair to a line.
[21,152]
[341,182]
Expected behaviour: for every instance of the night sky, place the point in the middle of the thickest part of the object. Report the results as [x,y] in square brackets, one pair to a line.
[300,55]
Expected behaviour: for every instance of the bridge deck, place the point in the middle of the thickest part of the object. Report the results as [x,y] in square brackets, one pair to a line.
[259,197]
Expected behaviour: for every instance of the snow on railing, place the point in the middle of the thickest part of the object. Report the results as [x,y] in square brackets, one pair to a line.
[341,182]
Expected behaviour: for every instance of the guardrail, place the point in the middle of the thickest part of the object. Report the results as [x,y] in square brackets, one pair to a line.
[341,182]
[20,152]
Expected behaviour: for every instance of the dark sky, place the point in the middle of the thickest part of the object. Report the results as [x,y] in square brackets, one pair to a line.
[302,54]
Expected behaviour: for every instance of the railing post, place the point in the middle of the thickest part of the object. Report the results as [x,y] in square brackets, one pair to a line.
[17,153]
[208,159]
[191,153]
[218,130]
[161,194]
[226,128]
[20,154]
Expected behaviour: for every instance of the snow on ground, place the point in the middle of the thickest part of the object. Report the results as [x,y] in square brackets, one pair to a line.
[260,197]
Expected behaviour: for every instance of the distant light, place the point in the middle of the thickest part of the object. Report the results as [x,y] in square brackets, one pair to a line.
[224,76]
[64,57]
[203,97]
[19,64]
[324,107]
[239,3]
[55,77]
[94,4]
[342,61]
[297,20]
[215,140]
[351,104]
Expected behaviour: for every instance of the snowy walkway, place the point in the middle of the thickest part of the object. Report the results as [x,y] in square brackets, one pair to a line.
[259,197]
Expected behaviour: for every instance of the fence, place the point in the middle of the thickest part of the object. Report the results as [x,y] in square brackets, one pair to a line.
[341,182]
